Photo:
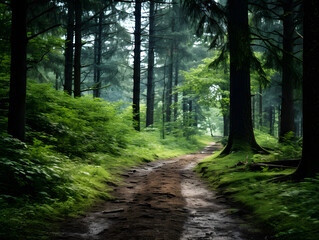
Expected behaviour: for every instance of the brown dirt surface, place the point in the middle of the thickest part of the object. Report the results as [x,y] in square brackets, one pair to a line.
[162,200]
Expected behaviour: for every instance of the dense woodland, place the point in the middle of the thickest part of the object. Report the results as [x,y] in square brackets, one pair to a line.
[91,86]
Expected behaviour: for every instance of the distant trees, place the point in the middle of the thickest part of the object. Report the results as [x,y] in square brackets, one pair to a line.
[241,135]
[277,31]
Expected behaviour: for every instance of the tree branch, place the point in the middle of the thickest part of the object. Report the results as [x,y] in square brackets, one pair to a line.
[41,14]
[43,31]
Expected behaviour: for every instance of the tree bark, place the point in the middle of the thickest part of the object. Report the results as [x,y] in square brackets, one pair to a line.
[196,113]
[170,67]
[184,108]
[98,51]
[190,113]
[169,86]
[253,112]
[176,85]
[287,105]
[163,101]
[271,120]
[77,47]
[150,70]
[309,165]
[175,27]
[68,67]
[260,107]
[226,124]
[241,135]
[18,70]
[137,66]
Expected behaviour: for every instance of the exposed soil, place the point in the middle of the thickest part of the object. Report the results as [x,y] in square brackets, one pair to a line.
[162,200]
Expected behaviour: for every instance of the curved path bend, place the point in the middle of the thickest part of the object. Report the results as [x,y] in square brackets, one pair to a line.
[164,199]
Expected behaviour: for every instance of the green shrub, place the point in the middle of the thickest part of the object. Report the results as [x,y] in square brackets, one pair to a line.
[74,148]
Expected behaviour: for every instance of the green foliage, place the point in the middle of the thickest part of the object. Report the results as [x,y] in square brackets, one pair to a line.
[287,210]
[211,85]
[57,119]
[290,148]
[74,148]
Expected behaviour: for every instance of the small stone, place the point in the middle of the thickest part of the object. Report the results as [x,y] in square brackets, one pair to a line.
[113,211]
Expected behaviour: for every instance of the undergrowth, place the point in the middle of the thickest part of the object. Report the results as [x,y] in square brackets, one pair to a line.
[74,153]
[287,210]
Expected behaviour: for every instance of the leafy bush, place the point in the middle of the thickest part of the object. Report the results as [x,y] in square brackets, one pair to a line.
[30,171]
[75,126]
[289,148]
[73,148]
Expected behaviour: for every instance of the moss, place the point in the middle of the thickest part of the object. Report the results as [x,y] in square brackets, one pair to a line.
[290,210]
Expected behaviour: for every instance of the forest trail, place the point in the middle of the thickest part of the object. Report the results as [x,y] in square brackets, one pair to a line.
[162,200]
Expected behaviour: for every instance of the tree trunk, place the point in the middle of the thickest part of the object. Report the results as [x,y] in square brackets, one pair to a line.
[241,135]
[77,49]
[18,70]
[169,86]
[150,70]
[56,81]
[271,121]
[226,124]
[184,108]
[95,59]
[170,70]
[137,66]
[253,112]
[163,102]
[175,27]
[309,165]
[68,69]
[301,127]
[97,65]
[297,130]
[176,85]
[196,113]
[190,113]
[260,107]
[287,105]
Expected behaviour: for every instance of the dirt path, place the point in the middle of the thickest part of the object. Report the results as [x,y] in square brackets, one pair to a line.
[162,200]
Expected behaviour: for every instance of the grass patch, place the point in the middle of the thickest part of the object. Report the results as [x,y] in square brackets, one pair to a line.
[289,210]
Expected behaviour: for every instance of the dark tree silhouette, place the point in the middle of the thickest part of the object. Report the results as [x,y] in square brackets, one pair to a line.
[137,66]
[17,108]
[150,70]
[287,105]
[98,57]
[77,48]
[241,133]
[68,67]
[309,165]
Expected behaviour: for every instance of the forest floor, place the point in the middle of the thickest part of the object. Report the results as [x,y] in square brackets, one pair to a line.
[164,199]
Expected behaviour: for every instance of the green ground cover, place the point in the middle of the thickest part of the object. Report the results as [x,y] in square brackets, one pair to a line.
[75,150]
[287,210]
